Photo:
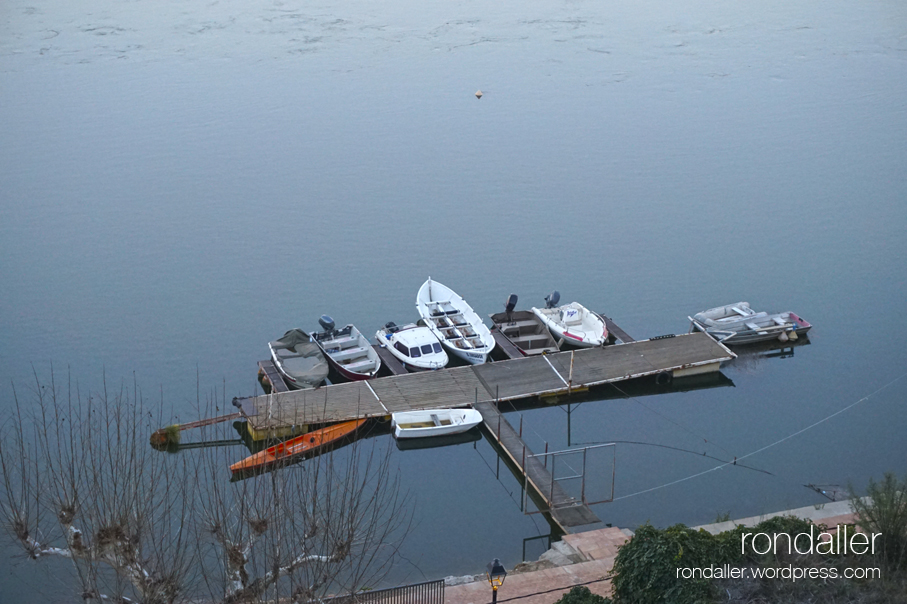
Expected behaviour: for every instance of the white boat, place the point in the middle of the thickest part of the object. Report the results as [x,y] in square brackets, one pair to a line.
[434,422]
[413,345]
[572,323]
[454,322]
[347,350]
[739,324]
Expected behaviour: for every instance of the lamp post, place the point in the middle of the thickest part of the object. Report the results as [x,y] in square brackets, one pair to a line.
[496,575]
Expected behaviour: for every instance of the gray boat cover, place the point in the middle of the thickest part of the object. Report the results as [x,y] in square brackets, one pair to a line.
[301,358]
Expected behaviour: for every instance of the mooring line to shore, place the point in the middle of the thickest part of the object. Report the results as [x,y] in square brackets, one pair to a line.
[777,442]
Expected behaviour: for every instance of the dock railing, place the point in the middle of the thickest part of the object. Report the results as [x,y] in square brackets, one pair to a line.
[553,503]
[427,592]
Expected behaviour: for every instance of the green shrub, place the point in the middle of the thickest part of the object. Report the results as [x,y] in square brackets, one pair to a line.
[886,512]
[646,568]
[581,595]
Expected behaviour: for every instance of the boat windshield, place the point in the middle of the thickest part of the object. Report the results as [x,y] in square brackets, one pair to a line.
[436,347]
[426,349]
[403,349]
[414,352]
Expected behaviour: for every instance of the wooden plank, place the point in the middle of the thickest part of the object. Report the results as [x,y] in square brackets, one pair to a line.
[389,362]
[273,376]
[621,335]
[506,347]
[506,380]
[448,388]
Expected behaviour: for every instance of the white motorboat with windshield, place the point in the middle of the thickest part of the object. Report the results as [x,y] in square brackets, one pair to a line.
[454,322]
[413,345]
[434,422]
[572,323]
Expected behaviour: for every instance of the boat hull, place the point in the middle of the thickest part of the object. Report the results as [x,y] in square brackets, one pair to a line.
[737,324]
[349,353]
[589,333]
[456,325]
[434,422]
[297,447]
[409,337]
[526,331]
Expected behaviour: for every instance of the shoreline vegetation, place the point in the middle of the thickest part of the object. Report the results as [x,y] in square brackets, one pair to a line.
[782,560]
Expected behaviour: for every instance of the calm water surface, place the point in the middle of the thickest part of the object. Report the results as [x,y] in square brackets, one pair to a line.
[181,182]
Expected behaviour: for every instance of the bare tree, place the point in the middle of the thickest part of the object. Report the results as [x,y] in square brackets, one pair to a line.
[80,482]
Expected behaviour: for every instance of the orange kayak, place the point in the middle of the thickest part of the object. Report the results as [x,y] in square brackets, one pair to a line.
[297,446]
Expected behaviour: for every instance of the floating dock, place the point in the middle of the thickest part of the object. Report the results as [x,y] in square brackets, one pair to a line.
[510,380]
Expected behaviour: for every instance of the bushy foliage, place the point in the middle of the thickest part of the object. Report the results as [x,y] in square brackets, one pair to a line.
[581,595]
[885,511]
[645,571]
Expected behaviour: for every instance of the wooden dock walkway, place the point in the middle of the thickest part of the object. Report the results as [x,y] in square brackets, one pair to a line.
[273,377]
[389,363]
[504,347]
[566,511]
[616,331]
[514,379]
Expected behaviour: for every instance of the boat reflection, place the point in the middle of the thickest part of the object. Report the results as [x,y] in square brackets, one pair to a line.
[432,442]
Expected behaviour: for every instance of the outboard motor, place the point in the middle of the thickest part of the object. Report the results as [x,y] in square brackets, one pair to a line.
[391,327]
[552,299]
[327,323]
[509,305]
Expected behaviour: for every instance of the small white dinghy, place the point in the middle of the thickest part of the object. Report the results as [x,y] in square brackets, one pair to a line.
[572,323]
[454,322]
[434,422]
[413,345]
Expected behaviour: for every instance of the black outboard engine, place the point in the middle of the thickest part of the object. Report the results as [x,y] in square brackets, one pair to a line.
[391,327]
[552,299]
[509,305]
[327,323]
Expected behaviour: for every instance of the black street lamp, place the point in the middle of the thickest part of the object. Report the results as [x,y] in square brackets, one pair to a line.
[496,575]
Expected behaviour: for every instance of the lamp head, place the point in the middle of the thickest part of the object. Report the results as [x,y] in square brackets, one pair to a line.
[495,573]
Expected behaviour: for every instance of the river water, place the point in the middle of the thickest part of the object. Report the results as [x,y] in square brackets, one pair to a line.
[181,182]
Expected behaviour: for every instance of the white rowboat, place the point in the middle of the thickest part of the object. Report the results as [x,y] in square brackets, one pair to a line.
[456,325]
[434,422]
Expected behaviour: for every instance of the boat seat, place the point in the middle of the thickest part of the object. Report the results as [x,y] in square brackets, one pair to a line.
[363,366]
[755,327]
[339,342]
[741,312]
[529,339]
[779,321]
[349,354]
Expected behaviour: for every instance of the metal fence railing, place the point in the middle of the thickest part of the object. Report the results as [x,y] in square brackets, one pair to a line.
[427,592]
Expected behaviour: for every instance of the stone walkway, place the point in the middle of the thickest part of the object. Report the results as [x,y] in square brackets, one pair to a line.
[587,559]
